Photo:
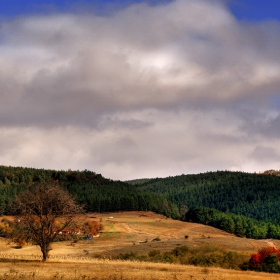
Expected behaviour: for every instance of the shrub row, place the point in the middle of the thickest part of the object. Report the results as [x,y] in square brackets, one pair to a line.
[204,255]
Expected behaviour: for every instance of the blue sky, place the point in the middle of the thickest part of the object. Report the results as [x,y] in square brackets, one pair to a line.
[131,90]
[16,7]
[256,10]
[251,10]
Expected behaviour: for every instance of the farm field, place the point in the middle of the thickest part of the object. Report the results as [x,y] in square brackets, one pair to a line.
[124,233]
[122,270]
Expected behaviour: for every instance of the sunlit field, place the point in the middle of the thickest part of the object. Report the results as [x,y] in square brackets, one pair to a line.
[125,233]
[113,270]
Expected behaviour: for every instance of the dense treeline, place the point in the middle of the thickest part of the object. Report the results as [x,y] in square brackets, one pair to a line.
[92,190]
[236,224]
[255,196]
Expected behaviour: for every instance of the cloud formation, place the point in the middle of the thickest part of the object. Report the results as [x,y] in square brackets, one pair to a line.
[147,91]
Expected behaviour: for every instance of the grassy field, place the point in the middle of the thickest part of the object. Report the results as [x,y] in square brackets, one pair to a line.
[123,233]
[120,270]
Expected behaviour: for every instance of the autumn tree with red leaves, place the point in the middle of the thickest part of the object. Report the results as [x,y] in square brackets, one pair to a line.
[267,259]
[255,261]
[264,252]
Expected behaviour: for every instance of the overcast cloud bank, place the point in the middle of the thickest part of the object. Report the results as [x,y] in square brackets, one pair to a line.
[145,92]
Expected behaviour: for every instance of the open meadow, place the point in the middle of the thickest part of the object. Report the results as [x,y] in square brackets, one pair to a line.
[127,232]
[122,270]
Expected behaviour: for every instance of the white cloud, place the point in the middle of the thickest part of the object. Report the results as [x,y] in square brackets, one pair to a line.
[148,91]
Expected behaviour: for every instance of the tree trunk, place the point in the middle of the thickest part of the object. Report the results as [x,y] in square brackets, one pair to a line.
[45,251]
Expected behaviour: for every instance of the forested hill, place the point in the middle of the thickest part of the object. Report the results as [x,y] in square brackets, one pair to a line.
[92,190]
[252,195]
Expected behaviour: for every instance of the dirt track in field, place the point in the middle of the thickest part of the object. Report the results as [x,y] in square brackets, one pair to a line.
[138,231]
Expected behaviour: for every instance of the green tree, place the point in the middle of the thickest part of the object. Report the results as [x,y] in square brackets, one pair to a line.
[227,224]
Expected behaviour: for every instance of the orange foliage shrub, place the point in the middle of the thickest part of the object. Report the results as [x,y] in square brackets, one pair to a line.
[255,260]
[264,252]
[20,241]
[258,259]
[92,228]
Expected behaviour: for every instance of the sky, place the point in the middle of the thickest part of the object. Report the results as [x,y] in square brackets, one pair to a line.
[140,89]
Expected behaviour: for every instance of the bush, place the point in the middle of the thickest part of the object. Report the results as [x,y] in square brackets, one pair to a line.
[267,259]
[205,255]
[271,264]
[5,228]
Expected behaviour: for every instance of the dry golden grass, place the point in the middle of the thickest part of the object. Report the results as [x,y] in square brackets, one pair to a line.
[129,232]
[120,270]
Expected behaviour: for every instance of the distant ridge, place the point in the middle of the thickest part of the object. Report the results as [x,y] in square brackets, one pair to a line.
[92,190]
[249,194]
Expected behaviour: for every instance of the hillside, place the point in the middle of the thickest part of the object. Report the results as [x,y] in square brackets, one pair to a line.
[92,190]
[142,232]
[136,234]
[240,203]
[252,195]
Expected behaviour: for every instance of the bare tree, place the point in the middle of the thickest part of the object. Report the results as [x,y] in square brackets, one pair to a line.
[42,212]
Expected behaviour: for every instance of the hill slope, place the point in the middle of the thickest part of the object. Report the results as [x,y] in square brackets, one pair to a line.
[124,234]
[252,195]
[88,188]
